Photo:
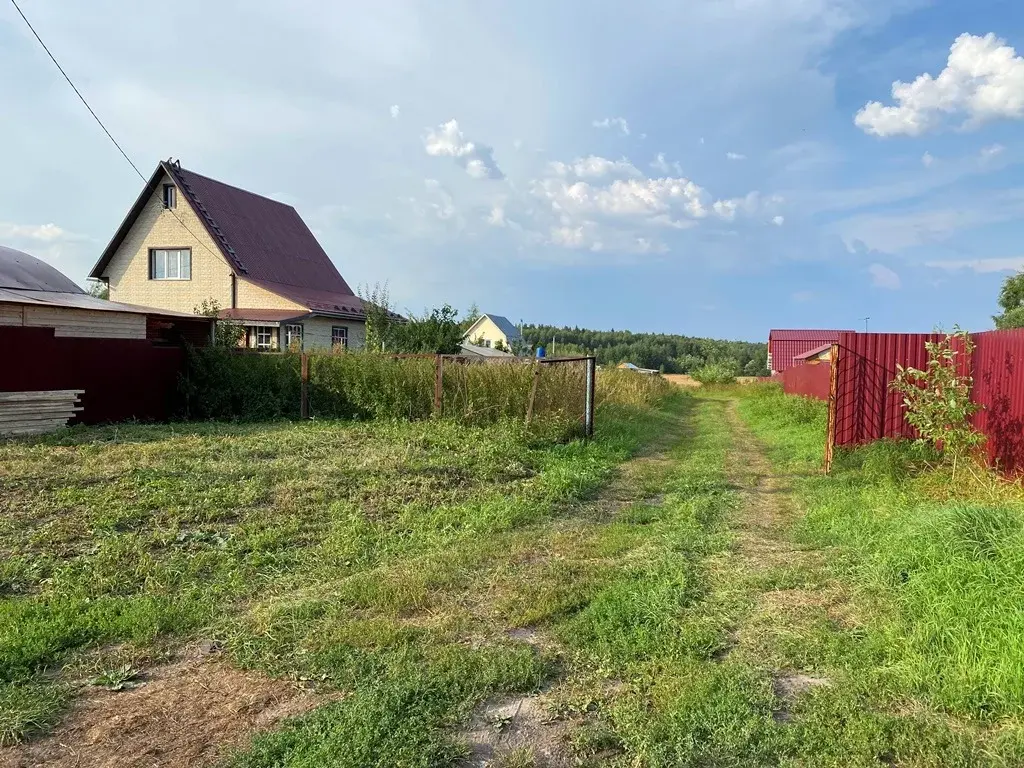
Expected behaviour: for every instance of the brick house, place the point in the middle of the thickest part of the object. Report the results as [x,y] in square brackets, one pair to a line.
[189,239]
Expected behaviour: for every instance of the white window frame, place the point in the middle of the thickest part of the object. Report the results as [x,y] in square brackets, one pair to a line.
[170,196]
[292,332]
[260,331]
[161,259]
[335,336]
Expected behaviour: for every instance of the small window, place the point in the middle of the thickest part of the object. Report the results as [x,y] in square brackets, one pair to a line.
[487,343]
[293,336]
[170,196]
[264,337]
[339,337]
[170,264]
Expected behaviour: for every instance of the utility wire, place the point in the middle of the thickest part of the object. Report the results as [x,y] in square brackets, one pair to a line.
[100,122]
[74,88]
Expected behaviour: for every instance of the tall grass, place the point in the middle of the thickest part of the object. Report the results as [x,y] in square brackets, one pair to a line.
[943,577]
[358,385]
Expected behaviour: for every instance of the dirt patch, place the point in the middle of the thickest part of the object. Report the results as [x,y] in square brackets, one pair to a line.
[188,713]
[788,686]
[521,727]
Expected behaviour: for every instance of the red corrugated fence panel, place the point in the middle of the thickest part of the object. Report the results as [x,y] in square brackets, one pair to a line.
[866,409]
[808,380]
[998,364]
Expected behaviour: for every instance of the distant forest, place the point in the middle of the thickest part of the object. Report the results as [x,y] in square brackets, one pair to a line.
[666,352]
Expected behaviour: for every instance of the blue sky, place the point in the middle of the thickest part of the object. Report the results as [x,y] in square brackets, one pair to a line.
[712,168]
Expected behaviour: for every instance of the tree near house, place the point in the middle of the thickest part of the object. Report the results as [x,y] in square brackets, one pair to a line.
[1011,301]
[99,289]
[226,333]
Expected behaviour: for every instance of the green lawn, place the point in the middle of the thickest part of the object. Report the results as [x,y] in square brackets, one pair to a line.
[685,590]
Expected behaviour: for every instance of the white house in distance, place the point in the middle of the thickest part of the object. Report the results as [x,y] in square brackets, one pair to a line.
[493,332]
[190,239]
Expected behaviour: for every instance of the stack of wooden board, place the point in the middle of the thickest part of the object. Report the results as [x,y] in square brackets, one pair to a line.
[32,413]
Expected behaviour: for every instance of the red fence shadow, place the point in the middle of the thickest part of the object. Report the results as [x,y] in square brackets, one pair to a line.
[866,409]
[998,365]
[123,378]
[808,380]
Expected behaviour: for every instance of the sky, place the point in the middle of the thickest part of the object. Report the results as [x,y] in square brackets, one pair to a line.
[711,167]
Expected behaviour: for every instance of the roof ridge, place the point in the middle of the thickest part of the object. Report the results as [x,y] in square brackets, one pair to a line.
[232,186]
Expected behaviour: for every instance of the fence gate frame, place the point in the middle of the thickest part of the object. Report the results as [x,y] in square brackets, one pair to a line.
[833,395]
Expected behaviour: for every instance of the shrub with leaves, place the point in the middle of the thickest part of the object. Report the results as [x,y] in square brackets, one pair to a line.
[938,399]
[716,373]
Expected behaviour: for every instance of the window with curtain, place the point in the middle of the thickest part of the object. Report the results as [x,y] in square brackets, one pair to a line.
[170,264]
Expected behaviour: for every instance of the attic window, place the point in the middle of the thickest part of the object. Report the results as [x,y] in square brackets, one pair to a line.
[170,196]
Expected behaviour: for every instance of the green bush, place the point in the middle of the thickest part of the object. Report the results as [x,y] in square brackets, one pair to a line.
[716,373]
[244,386]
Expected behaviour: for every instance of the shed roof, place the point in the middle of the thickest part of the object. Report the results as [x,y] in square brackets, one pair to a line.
[813,352]
[474,349]
[19,271]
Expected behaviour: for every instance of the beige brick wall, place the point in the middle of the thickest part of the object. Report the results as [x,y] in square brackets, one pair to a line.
[157,227]
[317,333]
[251,296]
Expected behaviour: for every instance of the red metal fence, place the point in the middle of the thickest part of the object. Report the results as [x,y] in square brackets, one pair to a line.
[998,367]
[808,380]
[865,409]
[123,378]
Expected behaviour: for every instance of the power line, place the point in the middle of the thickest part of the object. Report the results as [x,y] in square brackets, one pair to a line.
[75,89]
[100,122]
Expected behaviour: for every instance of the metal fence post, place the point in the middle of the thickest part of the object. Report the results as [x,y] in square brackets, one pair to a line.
[304,402]
[591,387]
[833,393]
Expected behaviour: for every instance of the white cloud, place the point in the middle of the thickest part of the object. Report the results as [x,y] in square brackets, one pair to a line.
[735,156]
[46,233]
[927,159]
[1012,264]
[443,210]
[395,111]
[987,153]
[662,165]
[983,81]
[778,221]
[496,218]
[883,277]
[447,140]
[594,167]
[613,122]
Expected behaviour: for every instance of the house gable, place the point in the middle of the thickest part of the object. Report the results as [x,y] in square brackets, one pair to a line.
[150,225]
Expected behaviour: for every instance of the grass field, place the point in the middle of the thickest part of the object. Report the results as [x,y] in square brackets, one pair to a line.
[687,589]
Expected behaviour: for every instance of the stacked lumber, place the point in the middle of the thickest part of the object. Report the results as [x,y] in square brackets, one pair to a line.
[33,413]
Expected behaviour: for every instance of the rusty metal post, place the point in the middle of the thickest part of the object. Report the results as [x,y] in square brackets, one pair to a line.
[588,422]
[304,402]
[438,385]
[833,392]
[533,392]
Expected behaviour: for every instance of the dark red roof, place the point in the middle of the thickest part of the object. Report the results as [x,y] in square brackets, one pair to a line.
[264,241]
[810,334]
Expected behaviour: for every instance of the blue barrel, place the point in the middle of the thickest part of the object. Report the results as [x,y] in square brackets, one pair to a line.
[540,351]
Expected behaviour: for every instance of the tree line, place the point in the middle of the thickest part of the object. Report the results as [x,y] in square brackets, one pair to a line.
[669,353]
